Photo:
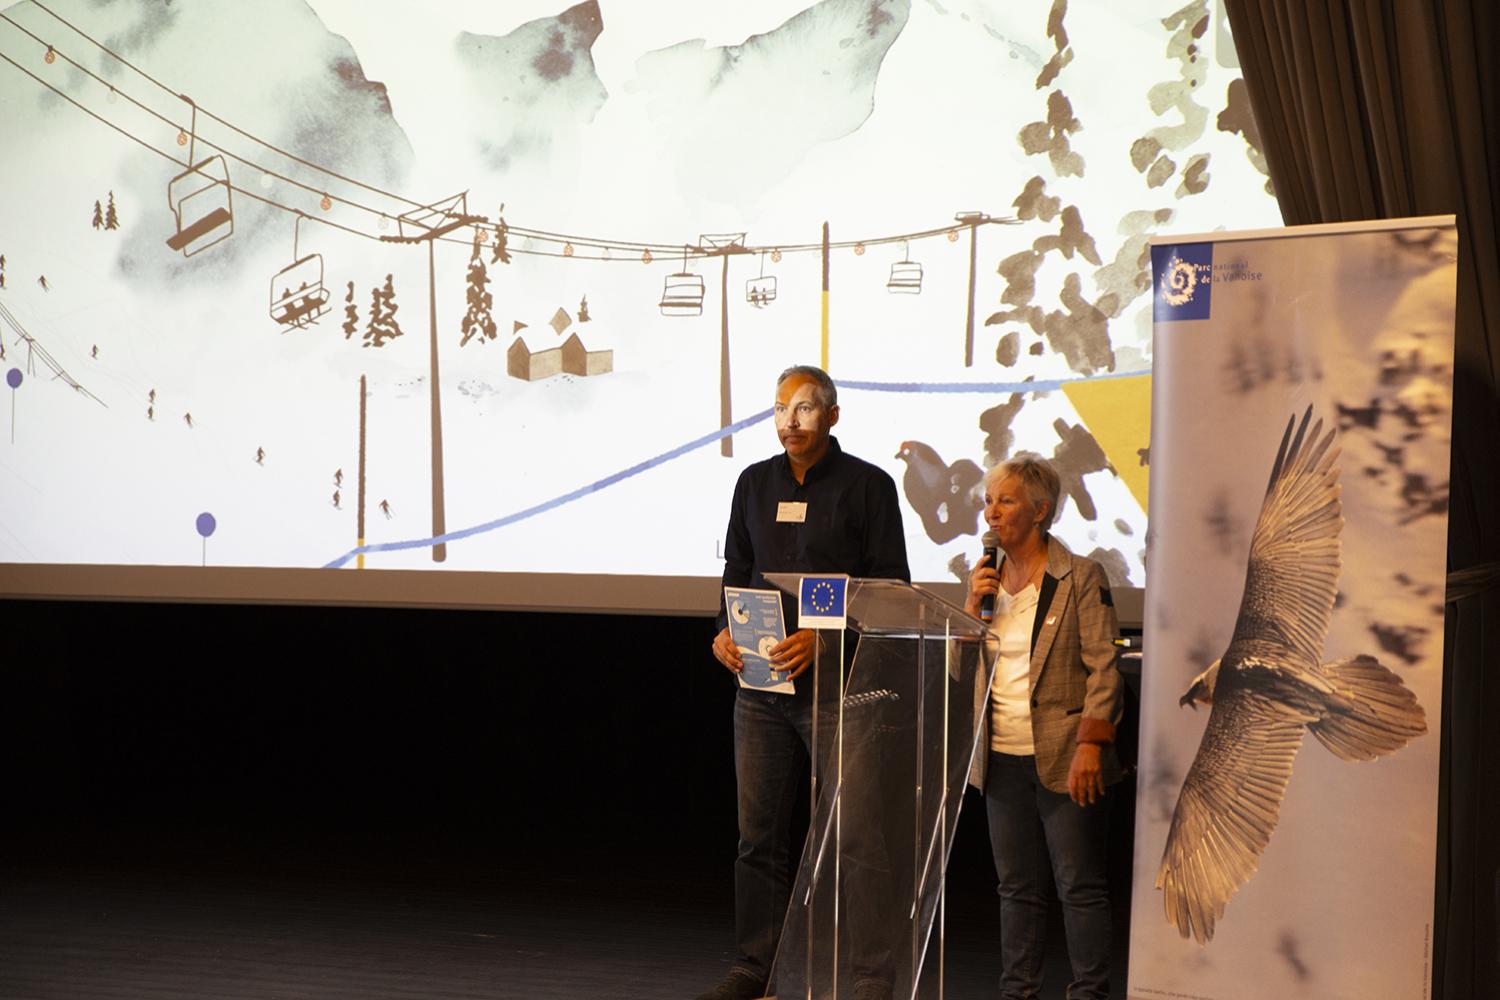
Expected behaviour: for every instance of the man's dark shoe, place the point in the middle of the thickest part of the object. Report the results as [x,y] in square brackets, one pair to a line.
[872,989]
[740,984]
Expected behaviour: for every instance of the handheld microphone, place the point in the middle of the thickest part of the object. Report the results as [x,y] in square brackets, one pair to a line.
[991,543]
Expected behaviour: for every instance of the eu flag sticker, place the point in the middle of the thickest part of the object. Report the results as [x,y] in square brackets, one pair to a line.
[1182,279]
[820,601]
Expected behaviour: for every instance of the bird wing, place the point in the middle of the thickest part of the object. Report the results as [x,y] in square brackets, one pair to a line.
[963,476]
[1293,573]
[1230,800]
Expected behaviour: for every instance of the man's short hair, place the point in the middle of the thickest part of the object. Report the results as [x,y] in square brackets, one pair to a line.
[1038,478]
[828,394]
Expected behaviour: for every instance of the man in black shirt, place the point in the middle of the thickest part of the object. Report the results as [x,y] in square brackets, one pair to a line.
[812,509]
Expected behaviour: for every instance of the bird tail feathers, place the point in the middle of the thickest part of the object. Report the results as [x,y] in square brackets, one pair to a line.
[1372,712]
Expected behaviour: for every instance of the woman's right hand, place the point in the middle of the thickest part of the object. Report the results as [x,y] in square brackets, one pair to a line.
[984,579]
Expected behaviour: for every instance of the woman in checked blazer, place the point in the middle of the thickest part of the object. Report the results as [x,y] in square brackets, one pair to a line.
[1048,754]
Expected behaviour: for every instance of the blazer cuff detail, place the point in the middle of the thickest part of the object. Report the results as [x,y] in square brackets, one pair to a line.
[1095,731]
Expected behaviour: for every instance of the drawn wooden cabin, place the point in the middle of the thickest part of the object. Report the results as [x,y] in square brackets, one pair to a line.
[522,362]
[579,360]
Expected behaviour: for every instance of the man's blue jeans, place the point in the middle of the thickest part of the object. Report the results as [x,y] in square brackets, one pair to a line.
[1030,829]
[772,739]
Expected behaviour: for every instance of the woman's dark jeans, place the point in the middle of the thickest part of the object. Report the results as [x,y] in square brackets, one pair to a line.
[1030,829]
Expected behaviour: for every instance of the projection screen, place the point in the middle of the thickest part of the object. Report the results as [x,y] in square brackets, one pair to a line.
[481,304]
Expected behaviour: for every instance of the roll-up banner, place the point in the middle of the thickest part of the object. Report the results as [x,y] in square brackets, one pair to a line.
[1300,426]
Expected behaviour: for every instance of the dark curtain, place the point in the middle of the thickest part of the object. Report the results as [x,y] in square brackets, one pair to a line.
[1374,109]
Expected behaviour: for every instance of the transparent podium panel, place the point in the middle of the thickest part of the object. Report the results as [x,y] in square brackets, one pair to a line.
[899,698]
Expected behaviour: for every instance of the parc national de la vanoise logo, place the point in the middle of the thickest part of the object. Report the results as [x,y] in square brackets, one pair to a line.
[1184,281]
[1185,275]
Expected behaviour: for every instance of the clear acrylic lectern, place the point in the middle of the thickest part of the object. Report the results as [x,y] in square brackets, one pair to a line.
[893,740]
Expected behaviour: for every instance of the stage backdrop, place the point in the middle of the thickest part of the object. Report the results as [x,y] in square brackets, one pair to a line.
[1301,417]
[220,220]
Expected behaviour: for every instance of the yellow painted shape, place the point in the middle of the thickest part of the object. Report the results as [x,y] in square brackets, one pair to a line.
[360,559]
[1117,411]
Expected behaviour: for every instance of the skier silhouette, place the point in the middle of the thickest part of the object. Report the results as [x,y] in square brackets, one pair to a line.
[385,508]
[260,456]
[95,352]
[151,413]
[188,418]
[42,280]
[336,500]
[338,477]
[151,396]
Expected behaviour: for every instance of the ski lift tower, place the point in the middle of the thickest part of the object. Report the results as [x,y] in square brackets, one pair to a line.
[723,245]
[973,220]
[427,224]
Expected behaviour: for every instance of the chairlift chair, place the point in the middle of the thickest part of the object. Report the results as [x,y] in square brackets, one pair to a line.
[761,291]
[201,201]
[906,278]
[682,295]
[298,297]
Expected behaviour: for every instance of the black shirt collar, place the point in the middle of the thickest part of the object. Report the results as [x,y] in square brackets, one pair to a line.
[821,468]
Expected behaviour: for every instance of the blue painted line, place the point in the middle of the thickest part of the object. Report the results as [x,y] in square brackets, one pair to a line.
[707,439]
[982,387]
[555,502]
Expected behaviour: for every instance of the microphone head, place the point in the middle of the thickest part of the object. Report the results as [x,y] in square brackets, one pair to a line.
[990,540]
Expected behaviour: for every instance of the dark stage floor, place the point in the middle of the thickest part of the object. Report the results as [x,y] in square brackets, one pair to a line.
[164,918]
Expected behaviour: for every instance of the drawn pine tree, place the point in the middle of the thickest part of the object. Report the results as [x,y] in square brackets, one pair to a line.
[351,314]
[388,299]
[111,220]
[382,326]
[500,256]
[373,329]
[477,322]
[98,215]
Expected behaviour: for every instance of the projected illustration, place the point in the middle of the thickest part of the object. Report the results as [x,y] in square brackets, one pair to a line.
[525,274]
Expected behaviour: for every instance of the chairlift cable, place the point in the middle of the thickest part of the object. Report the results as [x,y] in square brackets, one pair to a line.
[168,156]
[546,235]
[309,188]
[238,189]
[291,156]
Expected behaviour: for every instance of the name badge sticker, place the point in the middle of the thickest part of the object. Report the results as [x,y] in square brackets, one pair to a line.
[789,512]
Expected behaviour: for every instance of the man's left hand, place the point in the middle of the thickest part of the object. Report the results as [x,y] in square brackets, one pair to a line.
[1085,777]
[794,653]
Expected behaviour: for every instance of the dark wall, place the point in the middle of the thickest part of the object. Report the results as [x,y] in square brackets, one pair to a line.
[441,726]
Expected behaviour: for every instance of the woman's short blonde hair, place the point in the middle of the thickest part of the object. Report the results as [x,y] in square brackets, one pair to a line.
[1038,478]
